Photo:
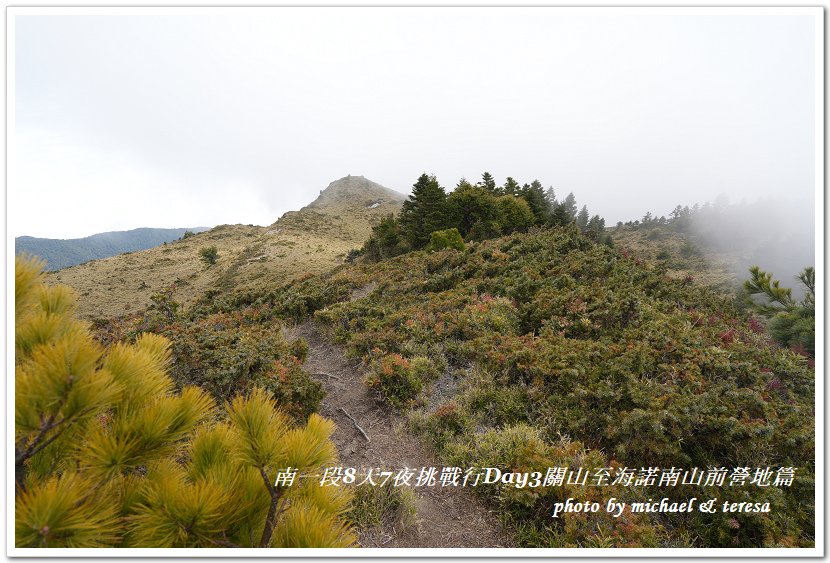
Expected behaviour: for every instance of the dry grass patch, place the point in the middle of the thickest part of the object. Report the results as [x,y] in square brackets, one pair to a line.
[309,241]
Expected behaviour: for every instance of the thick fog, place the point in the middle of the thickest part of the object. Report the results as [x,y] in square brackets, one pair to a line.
[236,116]
[775,233]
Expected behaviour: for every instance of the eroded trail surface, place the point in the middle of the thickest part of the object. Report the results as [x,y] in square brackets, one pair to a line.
[446,517]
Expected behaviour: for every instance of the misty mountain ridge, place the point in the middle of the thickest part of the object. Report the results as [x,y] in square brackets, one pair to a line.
[776,234]
[318,237]
[308,241]
[62,253]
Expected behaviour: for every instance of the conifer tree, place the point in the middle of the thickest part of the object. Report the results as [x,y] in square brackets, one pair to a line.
[791,323]
[386,240]
[550,197]
[488,183]
[595,228]
[762,283]
[680,218]
[511,187]
[565,212]
[582,218]
[463,183]
[536,198]
[109,454]
[596,224]
[424,212]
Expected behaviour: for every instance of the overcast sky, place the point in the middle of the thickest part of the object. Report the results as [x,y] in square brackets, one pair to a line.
[196,120]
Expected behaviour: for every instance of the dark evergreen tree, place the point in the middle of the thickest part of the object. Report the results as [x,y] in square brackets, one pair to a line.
[463,183]
[582,218]
[536,185]
[565,212]
[680,218]
[596,227]
[424,212]
[484,229]
[550,196]
[596,223]
[386,240]
[511,187]
[488,183]
[535,197]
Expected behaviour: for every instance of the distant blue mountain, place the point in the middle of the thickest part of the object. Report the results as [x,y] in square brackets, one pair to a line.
[62,253]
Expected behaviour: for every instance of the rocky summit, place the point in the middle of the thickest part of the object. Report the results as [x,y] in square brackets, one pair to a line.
[357,191]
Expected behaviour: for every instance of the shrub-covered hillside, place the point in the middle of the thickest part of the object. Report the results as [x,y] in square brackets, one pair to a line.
[547,349]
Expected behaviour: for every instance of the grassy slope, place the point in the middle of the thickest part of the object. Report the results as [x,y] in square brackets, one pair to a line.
[680,256]
[309,241]
[63,253]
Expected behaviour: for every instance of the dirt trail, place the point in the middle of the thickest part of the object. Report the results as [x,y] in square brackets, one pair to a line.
[446,517]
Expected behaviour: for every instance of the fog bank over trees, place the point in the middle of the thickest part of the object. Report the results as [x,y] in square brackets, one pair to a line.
[775,233]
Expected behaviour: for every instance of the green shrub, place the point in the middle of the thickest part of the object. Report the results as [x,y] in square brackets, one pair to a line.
[521,448]
[229,354]
[209,255]
[353,255]
[655,234]
[223,357]
[382,506]
[446,422]
[448,238]
[688,250]
[398,379]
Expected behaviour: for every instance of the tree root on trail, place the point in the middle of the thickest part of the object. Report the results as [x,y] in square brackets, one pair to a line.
[356,425]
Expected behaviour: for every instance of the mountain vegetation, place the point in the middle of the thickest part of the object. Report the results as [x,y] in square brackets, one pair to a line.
[209,255]
[566,352]
[724,240]
[310,241]
[791,323]
[62,253]
[507,326]
[476,212]
[109,453]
